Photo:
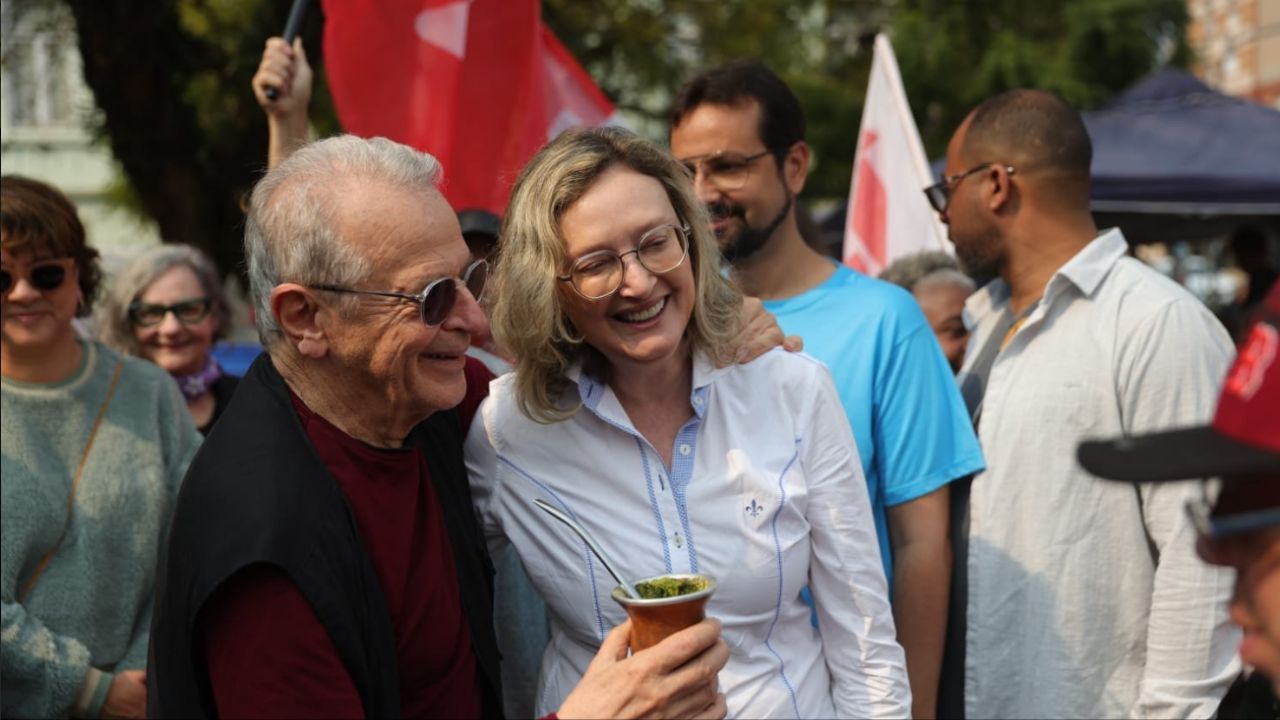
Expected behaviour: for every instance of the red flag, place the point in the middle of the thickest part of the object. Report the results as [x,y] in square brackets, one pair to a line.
[480,84]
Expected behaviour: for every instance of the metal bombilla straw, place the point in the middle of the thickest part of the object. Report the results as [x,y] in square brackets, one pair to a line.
[591,543]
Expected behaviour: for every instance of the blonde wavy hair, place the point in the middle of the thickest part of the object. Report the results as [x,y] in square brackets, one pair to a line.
[527,315]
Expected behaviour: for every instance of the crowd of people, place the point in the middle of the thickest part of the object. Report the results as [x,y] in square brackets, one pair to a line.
[952,503]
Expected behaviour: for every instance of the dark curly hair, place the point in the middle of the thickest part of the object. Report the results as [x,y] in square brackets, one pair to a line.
[38,218]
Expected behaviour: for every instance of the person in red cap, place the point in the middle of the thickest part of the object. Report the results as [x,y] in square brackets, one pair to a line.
[1241,527]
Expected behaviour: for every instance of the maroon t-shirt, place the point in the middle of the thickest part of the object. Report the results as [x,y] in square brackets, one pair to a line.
[267,653]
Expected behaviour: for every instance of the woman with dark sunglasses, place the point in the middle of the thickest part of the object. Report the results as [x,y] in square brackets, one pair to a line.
[95,446]
[168,306]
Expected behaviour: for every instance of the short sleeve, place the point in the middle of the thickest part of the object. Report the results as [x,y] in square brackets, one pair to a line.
[923,435]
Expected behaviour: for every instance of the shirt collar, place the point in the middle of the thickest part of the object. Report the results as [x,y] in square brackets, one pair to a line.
[1089,266]
[1085,271]
[985,300]
[597,397]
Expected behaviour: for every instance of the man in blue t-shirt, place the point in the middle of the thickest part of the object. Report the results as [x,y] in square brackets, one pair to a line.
[740,131]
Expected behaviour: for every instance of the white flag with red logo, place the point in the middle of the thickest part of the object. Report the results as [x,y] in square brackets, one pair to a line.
[888,214]
[480,84]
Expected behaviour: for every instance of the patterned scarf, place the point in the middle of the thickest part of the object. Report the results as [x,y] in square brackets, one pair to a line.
[198,383]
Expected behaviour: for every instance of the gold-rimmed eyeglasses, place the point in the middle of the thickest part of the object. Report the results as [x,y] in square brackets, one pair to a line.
[599,274]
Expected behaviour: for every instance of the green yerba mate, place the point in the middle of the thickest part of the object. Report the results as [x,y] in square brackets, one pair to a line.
[668,587]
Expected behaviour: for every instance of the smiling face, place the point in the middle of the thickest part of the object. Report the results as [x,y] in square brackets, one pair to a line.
[179,348]
[382,349]
[645,320]
[745,218]
[34,320]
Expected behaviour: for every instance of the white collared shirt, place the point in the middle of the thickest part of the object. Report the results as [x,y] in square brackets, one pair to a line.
[765,493]
[1086,598]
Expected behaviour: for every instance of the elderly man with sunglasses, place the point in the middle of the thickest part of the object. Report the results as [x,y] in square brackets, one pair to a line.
[324,558]
[1084,599]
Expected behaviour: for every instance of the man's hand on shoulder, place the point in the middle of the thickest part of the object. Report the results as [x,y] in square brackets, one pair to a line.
[676,678]
[760,333]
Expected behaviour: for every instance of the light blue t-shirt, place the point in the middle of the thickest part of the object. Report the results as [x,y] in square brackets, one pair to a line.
[908,419]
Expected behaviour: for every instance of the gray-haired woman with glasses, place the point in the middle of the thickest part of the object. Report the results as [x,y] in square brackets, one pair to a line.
[167,306]
[608,290]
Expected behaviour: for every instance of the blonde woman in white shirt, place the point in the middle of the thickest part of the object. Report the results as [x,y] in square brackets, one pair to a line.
[608,290]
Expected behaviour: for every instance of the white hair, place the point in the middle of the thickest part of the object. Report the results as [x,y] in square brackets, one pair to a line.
[114,326]
[945,278]
[291,232]
[926,268]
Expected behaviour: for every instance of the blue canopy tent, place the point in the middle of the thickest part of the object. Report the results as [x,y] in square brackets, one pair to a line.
[1172,145]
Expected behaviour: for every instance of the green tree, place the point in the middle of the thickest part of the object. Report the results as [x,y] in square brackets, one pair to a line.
[172,76]
[641,51]
[172,82]
[952,55]
[955,54]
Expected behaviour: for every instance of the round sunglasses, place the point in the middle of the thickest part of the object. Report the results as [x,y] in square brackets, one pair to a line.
[437,298]
[43,275]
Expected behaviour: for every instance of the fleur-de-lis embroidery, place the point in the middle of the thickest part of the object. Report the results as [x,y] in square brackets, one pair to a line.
[754,509]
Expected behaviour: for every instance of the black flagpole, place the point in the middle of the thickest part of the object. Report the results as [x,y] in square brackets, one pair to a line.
[291,28]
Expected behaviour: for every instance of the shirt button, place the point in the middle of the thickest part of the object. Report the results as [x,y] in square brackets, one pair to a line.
[684,449]
[697,400]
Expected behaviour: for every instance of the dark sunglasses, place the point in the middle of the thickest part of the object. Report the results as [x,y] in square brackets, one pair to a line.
[44,275]
[438,297]
[188,312]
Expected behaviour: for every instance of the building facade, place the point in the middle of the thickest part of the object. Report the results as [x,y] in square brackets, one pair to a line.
[46,116]
[1237,46]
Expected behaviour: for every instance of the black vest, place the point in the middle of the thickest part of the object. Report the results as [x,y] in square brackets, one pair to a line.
[257,492]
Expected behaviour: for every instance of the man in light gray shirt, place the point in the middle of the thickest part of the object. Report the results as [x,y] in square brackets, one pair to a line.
[1085,599]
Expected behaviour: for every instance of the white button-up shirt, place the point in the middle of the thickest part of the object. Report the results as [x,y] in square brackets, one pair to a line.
[765,494]
[1086,598]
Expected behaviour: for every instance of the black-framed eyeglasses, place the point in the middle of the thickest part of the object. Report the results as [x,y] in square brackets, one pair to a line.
[44,275]
[725,170]
[599,274]
[438,297]
[1215,534]
[188,312]
[939,193]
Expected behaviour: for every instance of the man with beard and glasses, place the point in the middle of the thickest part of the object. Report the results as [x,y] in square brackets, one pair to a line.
[740,131]
[1084,599]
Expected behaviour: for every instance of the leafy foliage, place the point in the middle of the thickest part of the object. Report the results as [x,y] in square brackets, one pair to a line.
[172,76]
[954,55]
[172,81]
